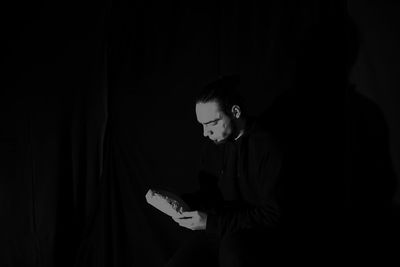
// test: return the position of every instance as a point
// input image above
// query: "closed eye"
(212, 123)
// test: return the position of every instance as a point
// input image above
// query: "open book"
(166, 202)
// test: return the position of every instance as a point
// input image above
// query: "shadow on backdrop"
(370, 178)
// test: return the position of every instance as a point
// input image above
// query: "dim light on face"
(216, 124)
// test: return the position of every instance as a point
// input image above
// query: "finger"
(186, 223)
(189, 213)
(181, 219)
(190, 227)
(180, 223)
(183, 224)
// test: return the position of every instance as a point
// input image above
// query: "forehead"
(208, 111)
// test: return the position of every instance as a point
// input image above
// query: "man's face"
(216, 124)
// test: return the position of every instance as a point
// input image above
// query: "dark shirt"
(239, 182)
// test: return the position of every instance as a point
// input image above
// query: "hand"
(193, 220)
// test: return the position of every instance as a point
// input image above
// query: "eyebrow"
(212, 121)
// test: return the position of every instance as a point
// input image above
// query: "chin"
(219, 142)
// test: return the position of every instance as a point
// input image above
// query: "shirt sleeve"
(264, 211)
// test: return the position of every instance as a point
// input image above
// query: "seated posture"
(236, 211)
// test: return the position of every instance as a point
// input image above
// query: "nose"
(206, 132)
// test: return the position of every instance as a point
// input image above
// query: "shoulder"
(262, 140)
(261, 135)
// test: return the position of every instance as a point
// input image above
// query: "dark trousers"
(244, 248)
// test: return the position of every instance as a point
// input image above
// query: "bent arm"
(264, 209)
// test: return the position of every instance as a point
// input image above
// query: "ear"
(236, 112)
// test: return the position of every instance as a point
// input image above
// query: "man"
(236, 211)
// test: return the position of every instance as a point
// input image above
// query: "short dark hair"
(224, 91)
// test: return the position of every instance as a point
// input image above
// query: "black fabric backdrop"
(104, 110)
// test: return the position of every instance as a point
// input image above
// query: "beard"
(230, 137)
(218, 142)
